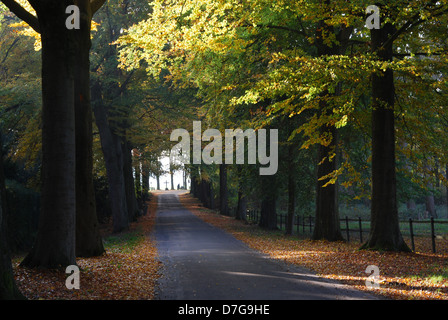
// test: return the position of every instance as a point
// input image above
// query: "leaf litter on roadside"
(420, 275)
(127, 271)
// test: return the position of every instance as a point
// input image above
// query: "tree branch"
(21, 13)
(9, 49)
(414, 21)
(300, 32)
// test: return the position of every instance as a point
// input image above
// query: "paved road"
(204, 262)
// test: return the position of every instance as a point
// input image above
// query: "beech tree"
(312, 59)
(55, 244)
(385, 233)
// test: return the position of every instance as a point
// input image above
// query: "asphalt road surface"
(202, 262)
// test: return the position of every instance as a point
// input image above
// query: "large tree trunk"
(55, 243)
(327, 224)
(113, 158)
(88, 239)
(384, 229)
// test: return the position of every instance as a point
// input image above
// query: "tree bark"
(242, 206)
(291, 190)
(131, 200)
(223, 199)
(137, 179)
(88, 239)
(446, 189)
(384, 230)
(145, 181)
(431, 206)
(268, 213)
(327, 224)
(113, 158)
(8, 287)
(55, 243)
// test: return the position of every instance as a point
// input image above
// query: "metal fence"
(358, 229)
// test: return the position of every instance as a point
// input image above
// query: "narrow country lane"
(202, 262)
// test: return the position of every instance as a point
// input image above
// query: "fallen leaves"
(130, 268)
(127, 271)
(420, 275)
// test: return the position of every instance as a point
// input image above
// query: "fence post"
(433, 236)
(360, 229)
(347, 229)
(411, 230)
(298, 224)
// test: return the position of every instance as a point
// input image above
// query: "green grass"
(124, 242)
(435, 276)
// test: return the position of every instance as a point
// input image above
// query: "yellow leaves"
(22, 28)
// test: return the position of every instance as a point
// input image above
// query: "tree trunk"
(211, 195)
(384, 230)
(430, 205)
(131, 200)
(410, 205)
(88, 239)
(268, 214)
(223, 200)
(145, 181)
(113, 158)
(242, 199)
(194, 181)
(241, 207)
(327, 224)
(8, 287)
(446, 189)
(137, 180)
(291, 190)
(55, 242)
